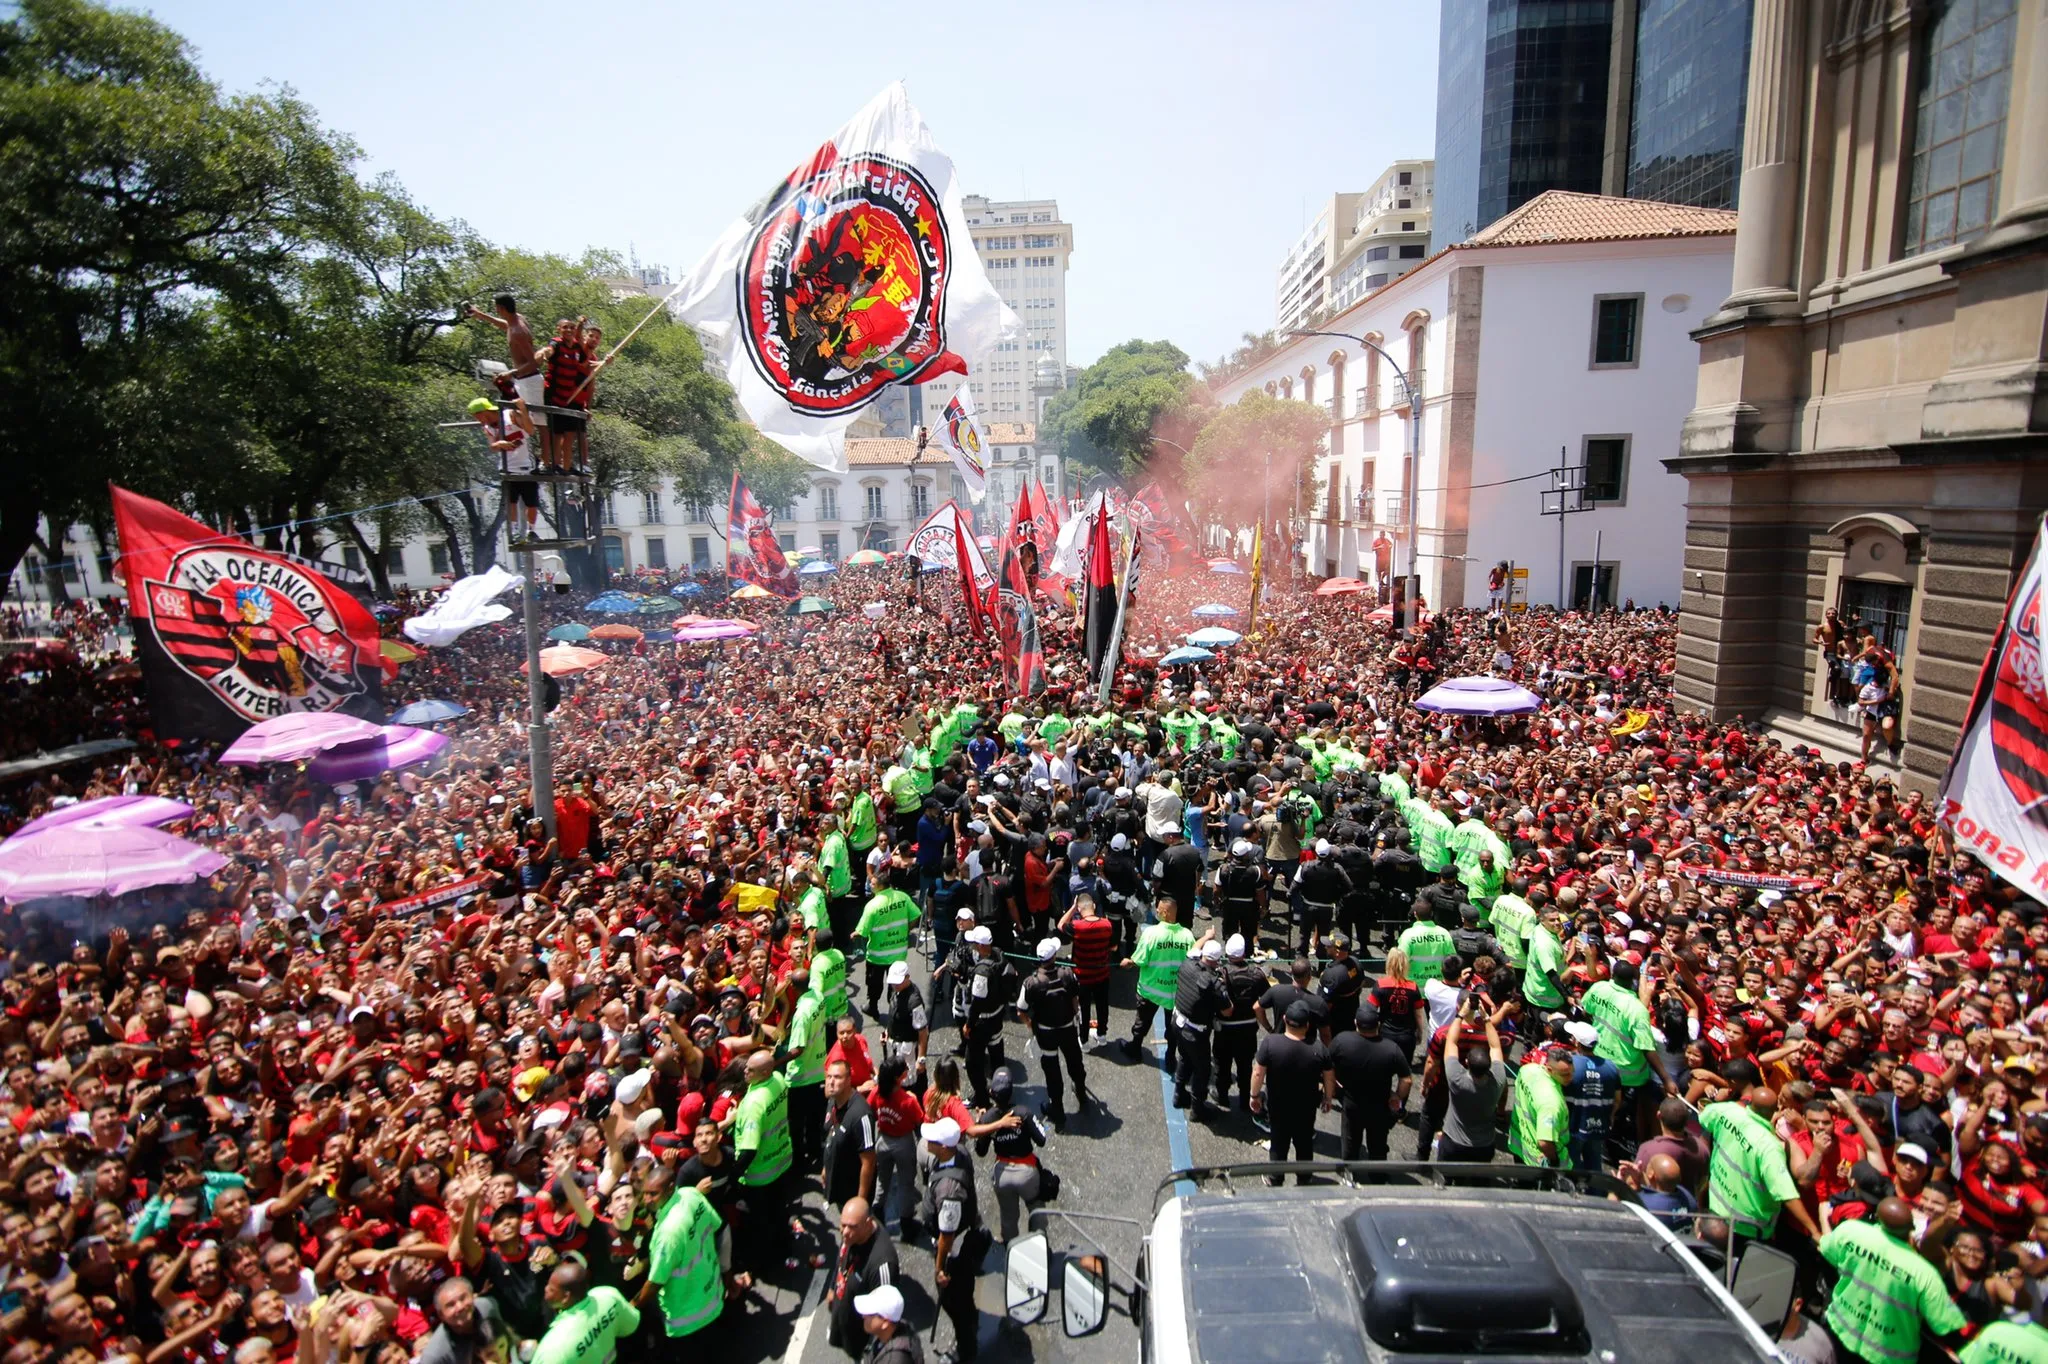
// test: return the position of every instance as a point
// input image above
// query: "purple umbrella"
(393, 746)
(1479, 696)
(714, 630)
(300, 734)
(112, 811)
(86, 860)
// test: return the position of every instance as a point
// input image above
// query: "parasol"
(110, 812)
(89, 859)
(301, 734)
(1479, 696)
(395, 746)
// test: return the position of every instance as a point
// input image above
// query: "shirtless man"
(525, 374)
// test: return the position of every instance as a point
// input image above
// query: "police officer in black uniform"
(1473, 941)
(1125, 905)
(1355, 910)
(1321, 886)
(1343, 979)
(952, 976)
(1397, 874)
(1241, 892)
(991, 986)
(1237, 1032)
(1199, 1000)
(1444, 897)
(953, 1212)
(904, 1020)
(1050, 1007)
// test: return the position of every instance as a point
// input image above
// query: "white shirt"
(1162, 810)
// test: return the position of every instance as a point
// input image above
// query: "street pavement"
(1111, 1160)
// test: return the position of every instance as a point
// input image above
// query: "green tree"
(137, 198)
(1259, 452)
(1108, 420)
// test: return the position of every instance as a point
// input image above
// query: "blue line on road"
(1177, 1149)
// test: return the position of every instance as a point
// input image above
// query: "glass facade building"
(1685, 118)
(1521, 106)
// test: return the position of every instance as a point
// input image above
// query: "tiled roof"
(1012, 433)
(1562, 216)
(880, 452)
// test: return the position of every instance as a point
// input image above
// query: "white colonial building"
(1561, 335)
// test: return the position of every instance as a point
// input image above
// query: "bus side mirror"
(1084, 1296)
(1028, 1280)
(1764, 1282)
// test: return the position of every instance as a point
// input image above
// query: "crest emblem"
(2019, 709)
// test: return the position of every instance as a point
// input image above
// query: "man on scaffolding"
(509, 435)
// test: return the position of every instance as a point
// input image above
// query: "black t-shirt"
(516, 1289)
(1180, 873)
(1294, 1073)
(848, 1135)
(1276, 1000)
(1367, 1067)
(724, 1192)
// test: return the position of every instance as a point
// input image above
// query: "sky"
(1188, 144)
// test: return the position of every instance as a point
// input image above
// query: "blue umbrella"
(1216, 610)
(1214, 636)
(429, 712)
(613, 603)
(572, 633)
(687, 589)
(1225, 566)
(1180, 656)
(816, 567)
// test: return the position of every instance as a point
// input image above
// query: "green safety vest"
(941, 741)
(828, 982)
(1540, 1115)
(811, 908)
(902, 788)
(861, 827)
(1054, 726)
(808, 1041)
(2008, 1342)
(1546, 953)
(1433, 828)
(1747, 1180)
(1160, 951)
(1624, 1026)
(682, 1257)
(1226, 736)
(1511, 917)
(1395, 788)
(1183, 730)
(1426, 945)
(762, 1126)
(589, 1331)
(1481, 885)
(1885, 1291)
(838, 864)
(885, 924)
(1010, 726)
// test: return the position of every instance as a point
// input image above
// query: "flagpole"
(571, 402)
(1116, 633)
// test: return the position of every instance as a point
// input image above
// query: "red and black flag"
(1100, 603)
(751, 552)
(1015, 607)
(228, 634)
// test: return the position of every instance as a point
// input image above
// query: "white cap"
(885, 1302)
(1585, 1034)
(1002, 780)
(1912, 1150)
(1234, 949)
(551, 1117)
(1122, 792)
(944, 1132)
(1242, 848)
(964, 912)
(1322, 847)
(899, 971)
(1119, 842)
(361, 1011)
(633, 1086)
(979, 936)
(1212, 950)
(1048, 948)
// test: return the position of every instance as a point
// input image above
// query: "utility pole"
(1566, 496)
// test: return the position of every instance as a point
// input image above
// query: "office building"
(1642, 98)
(1389, 234)
(1024, 247)
(1870, 430)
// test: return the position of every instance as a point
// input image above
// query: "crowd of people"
(413, 1079)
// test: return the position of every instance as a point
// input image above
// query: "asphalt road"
(1111, 1160)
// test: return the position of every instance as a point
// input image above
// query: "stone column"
(1766, 237)
(2026, 134)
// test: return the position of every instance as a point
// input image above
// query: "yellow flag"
(1251, 617)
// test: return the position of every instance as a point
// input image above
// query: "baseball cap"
(1912, 1150)
(1119, 842)
(979, 936)
(964, 912)
(1322, 847)
(1234, 949)
(1048, 948)
(944, 1132)
(1212, 950)
(885, 1302)
(477, 405)
(1585, 1034)
(1368, 1015)
(633, 1086)
(1299, 1013)
(1242, 848)
(899, 971)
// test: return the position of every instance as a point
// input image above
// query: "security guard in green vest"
(1427, 945)
(1157, 954)
(1885, 1290)
(805, 1045)
(2008, 1342)
(863, 827)
(761, 1143)
(684, 1260)
(885, 926)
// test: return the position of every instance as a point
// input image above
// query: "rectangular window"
(394, 558)
(1407, 226)
(829, 542)
(700, 552)
(650, 507)
(1617, 321)
(614, 554)
(1375, 253)
(657, 551)
(1959, 121)
(1406, 178)
(1413, 251)
(607, 510)
(1606, 461)
(1375, 281)
(920, 499)
(1593, 584)
(437, 557)
(1879, 607)
(874, 503)
(1365, 490)
(828, 503)
(351, 559)
(1401, 203)
(787, 541)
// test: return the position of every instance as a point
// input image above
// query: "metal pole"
(1596, 569)
(536, 704)
(1561, 481)
(1412, 479)
(1266, 506)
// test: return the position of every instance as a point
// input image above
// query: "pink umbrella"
(395, 746)
(112, 811)
(713, 630)
(85, 860)
(301, 734)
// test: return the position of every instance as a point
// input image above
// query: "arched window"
(1369, 396)
(1416, 324)
(1308, 383)
(1336, 392)
(1287, 387)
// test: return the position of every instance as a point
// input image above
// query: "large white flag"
(1995, 796)
(857, 271)
(960, 432)
(464, 606)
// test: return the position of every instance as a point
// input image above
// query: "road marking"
(1177, 1149)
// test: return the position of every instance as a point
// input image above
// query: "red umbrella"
(564, 659)
(1339, 587)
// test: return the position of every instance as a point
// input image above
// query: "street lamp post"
(1412, 474)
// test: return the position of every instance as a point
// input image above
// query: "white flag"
(857, 271)
(464, 606)
(960, 432)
